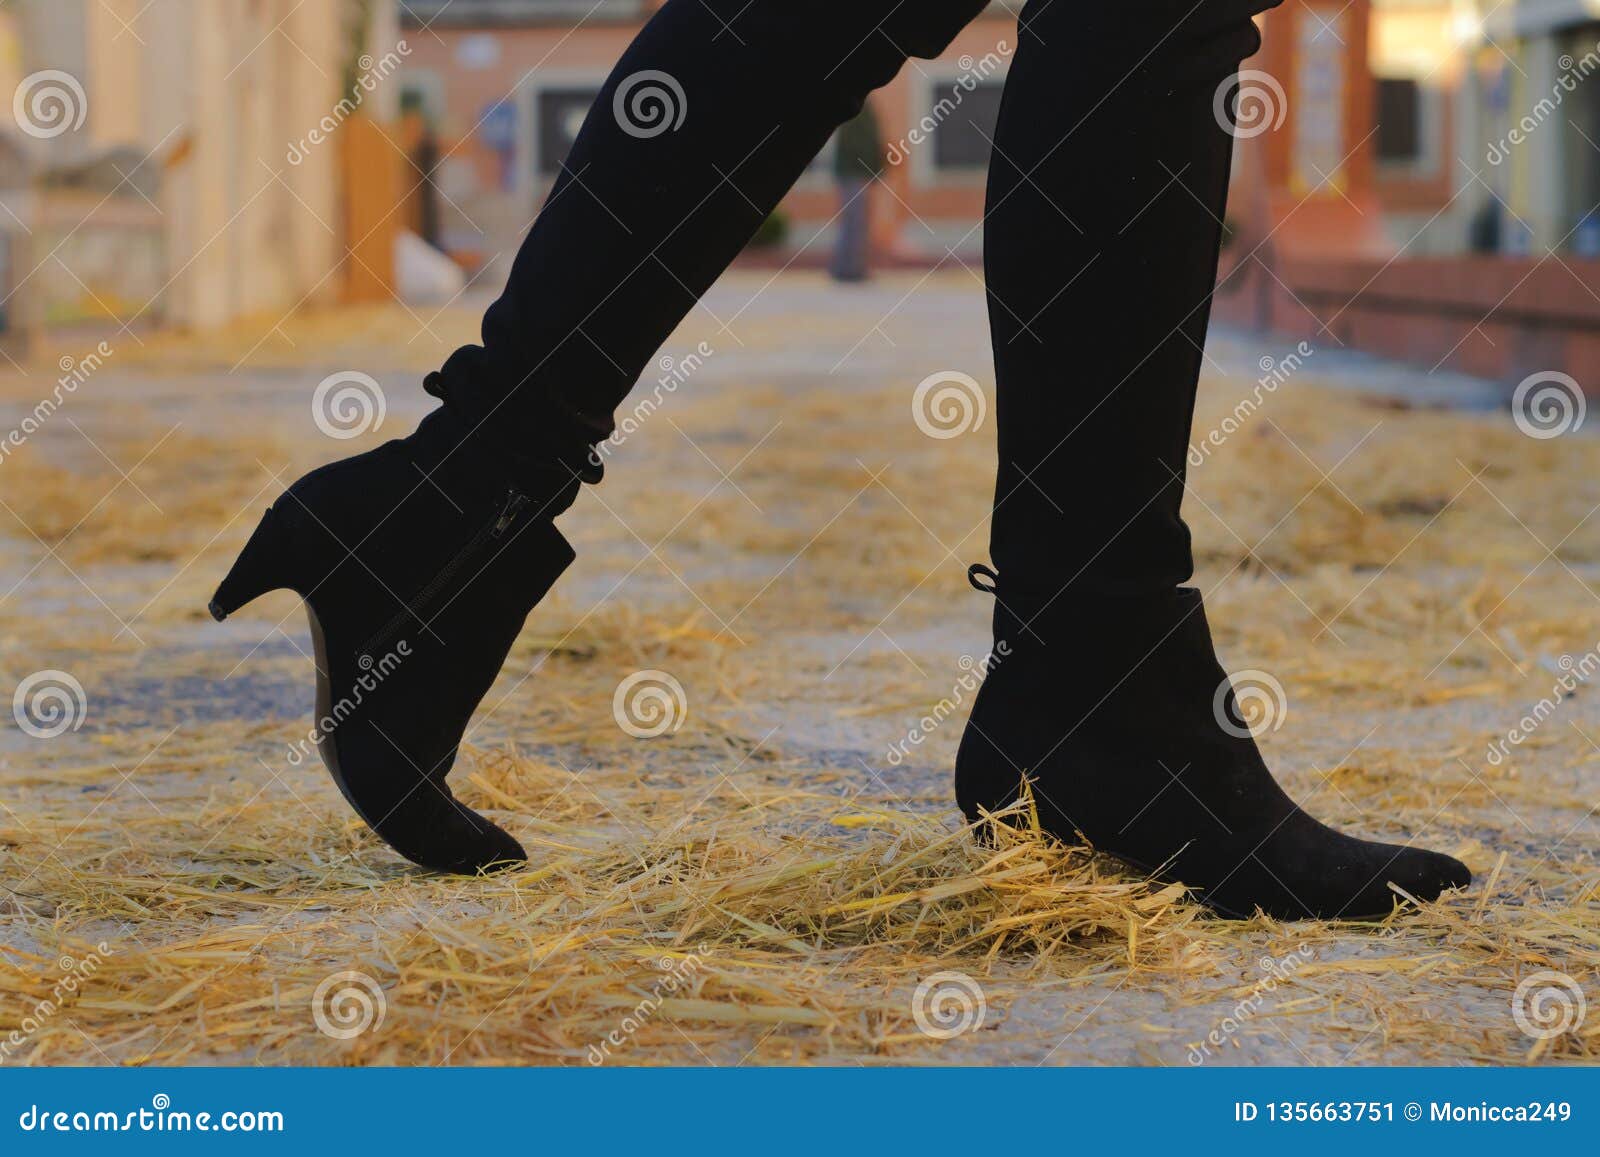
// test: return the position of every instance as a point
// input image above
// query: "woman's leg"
(707, 121)
(420, 560)
(1106, 198)
(1107, 192)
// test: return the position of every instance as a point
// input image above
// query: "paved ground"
(782, 536)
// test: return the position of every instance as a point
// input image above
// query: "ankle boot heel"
(264, 565)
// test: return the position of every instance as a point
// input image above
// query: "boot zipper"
(513, 505)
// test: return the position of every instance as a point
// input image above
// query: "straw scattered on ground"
(762, 886)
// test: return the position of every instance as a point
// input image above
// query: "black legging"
(1104, 218)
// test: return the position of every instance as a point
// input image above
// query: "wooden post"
(370, 176)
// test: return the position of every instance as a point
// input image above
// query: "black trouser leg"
(1106, 197)
(650, 209)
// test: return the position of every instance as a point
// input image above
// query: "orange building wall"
(531, 55)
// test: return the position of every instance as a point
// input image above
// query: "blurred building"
(1487, 128)
(148, 166)
(1538, 99)
(1371, 208)
(1428, 186)
(1418, 61)
(1424, 183)
(505, 84)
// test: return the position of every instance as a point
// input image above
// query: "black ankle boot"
(1130, 735)
(418, 563)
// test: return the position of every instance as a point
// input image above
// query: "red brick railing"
(1497, 317)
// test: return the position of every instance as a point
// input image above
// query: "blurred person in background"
(858, 161)
(421, 144)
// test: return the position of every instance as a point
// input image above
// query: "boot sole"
(1228, 913)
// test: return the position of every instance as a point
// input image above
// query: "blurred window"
(1399, 138)
(559, 113)
(963, 121)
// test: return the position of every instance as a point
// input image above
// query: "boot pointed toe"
(470, 845)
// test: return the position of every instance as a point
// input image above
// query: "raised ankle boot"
(418, 563)
(1128, 731)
